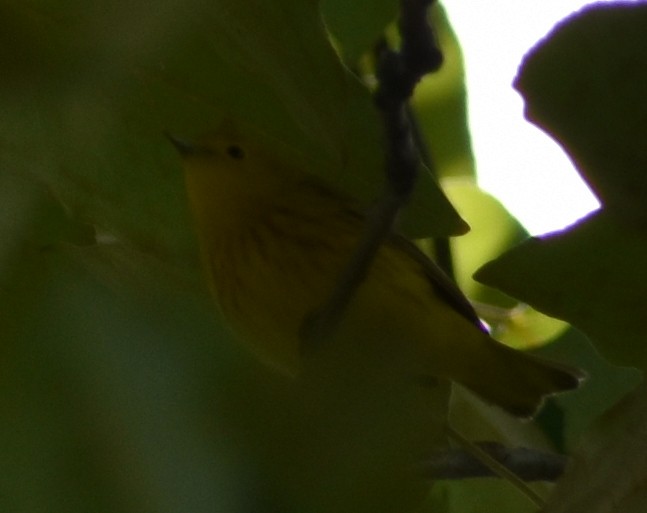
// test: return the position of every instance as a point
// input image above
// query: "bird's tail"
(516, 381)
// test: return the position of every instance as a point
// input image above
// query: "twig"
(529, 464)
(496, 466)
(398, 73)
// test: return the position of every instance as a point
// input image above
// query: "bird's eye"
(235, 152)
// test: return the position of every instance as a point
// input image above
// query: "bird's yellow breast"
(270, 274)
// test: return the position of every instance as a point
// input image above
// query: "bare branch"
(398, 73)
(528, 464)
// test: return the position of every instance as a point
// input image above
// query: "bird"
(274, 240)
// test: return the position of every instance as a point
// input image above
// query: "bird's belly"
(266, 298)
(267, 294)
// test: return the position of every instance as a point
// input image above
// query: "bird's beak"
(183, 146)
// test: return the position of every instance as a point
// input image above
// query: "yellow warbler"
(274, 241)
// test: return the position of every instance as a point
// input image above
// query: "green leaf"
(605, 385)
(121, 390)
(100, 386)
(585, 85)
(85, 111)
(608, 470)
(592, 275)
(493, 231)
(357, 25)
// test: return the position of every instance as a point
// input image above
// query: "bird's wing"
(440, 282)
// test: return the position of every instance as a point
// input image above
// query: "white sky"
(518, 163)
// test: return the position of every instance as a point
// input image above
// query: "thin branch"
(496, 466)
(398, 73)
(529, 464)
